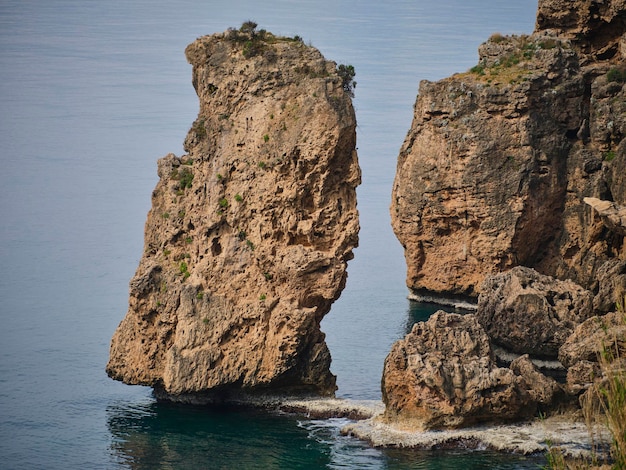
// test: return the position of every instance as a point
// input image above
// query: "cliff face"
(494, 169)
(249, 234)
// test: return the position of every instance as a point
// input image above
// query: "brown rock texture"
(589, 338)
(529, 313)
(494, 169)
(443, 375)
(250, 232)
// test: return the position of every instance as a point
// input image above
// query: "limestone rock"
(250, 232)
(589, 338)
(543, 390)
(443, 375)
(495, 166)
(529, 313)
(611, 286)
(597, 26)
(581, 376)
(612, 216)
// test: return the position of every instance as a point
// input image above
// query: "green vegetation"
(250, 244)
(609, 156)
(200, 295)
(513, 67)
(478, 69)
(262, 165)
(604, 403)
(219, 177)
(184, 270)
(188, 240)
(223, 203)
(347, 73)
(184, 176)
(165, 215)
(199, 128)
(267, 276)
(238, 198)
(262, 297)
(266, 138)
(167, 252)
(617, 74)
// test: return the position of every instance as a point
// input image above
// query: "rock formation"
(529, 313)
(250, 232)
(494, 169)
(443, 374)
(511, 187)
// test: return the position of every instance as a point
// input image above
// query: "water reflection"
(156, 435)
(151, 435)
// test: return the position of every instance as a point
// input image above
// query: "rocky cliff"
(498, 160)
(510, 188)
(250, 232)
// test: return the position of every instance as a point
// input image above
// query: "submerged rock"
(250, 232)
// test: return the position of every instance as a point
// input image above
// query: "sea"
(92, 93)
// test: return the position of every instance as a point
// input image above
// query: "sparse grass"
(223, 203)
(266, 138)
(262, 297)
(199, 128)
(604, 403)
(609, 156)
(238, 198)
(617, 74)
(184, 269)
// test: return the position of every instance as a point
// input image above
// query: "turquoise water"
(92, 94)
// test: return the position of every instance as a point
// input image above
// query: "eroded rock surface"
(494, 169)
(250, 232)
(529, 313)
(443, 375)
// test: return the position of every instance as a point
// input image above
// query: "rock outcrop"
(250, 232)
(494, 169)
(529, 313)
(443, 374)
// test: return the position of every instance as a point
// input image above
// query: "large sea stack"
(250, 232)
(498, 160)
(511, 188)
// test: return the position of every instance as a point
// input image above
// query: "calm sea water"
(92, 94)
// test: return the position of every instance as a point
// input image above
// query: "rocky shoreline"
(568, 431)
(531, 437)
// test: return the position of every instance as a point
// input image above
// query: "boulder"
(611, 286)
(592, 336)
(529, 313)
(545, 391)
(443, 375)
